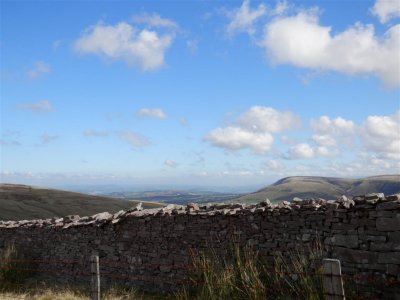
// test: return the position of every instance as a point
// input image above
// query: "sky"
(199, 93)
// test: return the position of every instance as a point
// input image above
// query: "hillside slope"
(18, 202)
(323, 187)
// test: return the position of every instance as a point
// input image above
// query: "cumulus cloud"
(386, 10)
(328, 130)
(39, 69)
(274, 164)
(154, 20)
(94, 133)
(300, 151)
(151, 113)
(134, 139)
(301, 41)
(280, 8)
(142, 48)
(39, 106)
(253, 130)
(236, 138)
(338, 125)
(325, 140)
(267, 119)
(243, 18)
(381, 135)
(170, 163)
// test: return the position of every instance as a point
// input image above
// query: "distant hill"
(20, 202)
(323, 187)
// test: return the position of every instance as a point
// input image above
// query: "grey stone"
(357, 256)
(375, 196)
(297, 200)
(389, 258)
(388, 224)
(331, 204)
(388, 205)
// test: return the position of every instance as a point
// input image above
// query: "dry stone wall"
(151, 249)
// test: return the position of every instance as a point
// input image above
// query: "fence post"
(95, 283)
(332, 279)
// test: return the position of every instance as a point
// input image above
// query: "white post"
(332, 279)
(95, 272)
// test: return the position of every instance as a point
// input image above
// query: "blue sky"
(208, 93)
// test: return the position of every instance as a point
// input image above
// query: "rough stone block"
(348, 241)
(389, 258)
(388, 205)
(388, 224)
(357, 256)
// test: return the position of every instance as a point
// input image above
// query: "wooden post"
(332, 279)
(95, 284)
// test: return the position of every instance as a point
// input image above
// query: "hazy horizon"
(223, 95)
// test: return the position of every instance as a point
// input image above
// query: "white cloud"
(267, 119)
(381, 134)
(280, 8)
(386, 10)
(236, 138)
(301, 41)
(142, 48)
(154, 20)
(39, 68)
(324, 140)
(151, 113)
(94, 133)
(274, 164)
(39, 106)
(326, 151)
(253, 129)
(329, 130)
(300, 151)
(134, 139)
(243, 18)
(170, 163)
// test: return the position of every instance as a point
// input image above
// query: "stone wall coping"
(373, 200)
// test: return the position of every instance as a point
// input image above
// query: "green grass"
(242, 274)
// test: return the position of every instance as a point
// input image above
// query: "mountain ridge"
(323, 187)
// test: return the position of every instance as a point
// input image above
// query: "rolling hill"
(323, 187)
(18, 202)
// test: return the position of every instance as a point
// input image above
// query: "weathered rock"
(395, 197)
(331, 204)
(388, 224)
(193, 206)
(103, 217)
(297, 200)
(388, 205)
(266, 203)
